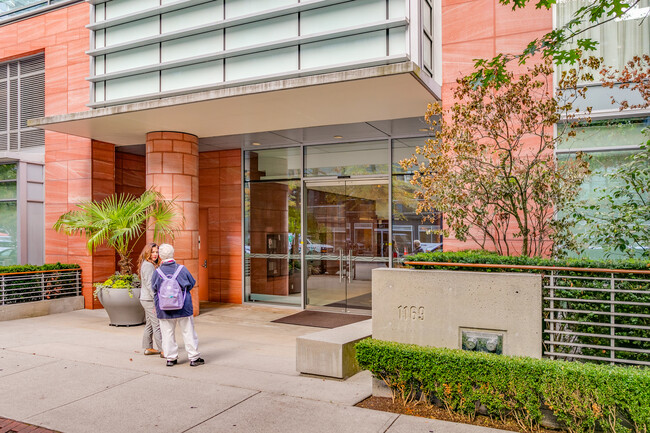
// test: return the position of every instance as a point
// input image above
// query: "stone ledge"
(331, 353)
(41, 308)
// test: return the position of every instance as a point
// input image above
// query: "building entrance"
(345, 225)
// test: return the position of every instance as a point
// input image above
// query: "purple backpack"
(170, 295)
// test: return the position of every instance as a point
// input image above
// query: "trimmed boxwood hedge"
(33, 268)
(486, 257)
(583, 397)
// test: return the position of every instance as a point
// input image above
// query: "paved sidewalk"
(73, 373)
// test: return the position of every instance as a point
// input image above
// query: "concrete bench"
(331, 352)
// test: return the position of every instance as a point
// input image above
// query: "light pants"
(151, 327)
(168, 330)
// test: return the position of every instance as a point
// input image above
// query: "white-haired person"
(183, 316)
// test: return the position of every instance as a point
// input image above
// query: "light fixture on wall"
(255, 143)
(423, 129)
(338, 137)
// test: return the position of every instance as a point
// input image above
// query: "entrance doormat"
(321, 319)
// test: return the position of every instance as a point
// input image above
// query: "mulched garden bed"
(419, 409)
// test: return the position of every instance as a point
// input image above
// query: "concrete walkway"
(73, 373)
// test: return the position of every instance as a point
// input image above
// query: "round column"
(173, 170)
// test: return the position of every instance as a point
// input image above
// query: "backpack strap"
(178, 271)
(162, 274)
(164, 277)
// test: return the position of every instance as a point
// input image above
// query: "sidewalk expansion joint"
(87, 396)
(219, 413)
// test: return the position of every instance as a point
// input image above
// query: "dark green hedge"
(582, 396)
(492, 258)
(32, 268)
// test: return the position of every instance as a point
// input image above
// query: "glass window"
(264, 63)
(348, 159)
(350, 14)
(8, 215)
(235, 8)
(191, 46)
(408, 225)
(134, 58)
(185, 18)
(618, 40)
(273, 164)
(271, 30)
(201, 74)
(133, 30)
(607, 133)
(343, 50)
(405, 148)
(272, 241)
(133, 86)
(118, 8)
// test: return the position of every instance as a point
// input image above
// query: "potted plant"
(118, 222)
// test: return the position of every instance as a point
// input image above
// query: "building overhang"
(371, 94)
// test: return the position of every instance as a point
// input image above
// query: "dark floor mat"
(321, 319)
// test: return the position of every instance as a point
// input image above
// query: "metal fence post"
(2, 289)
(77, 273)
(42, 286)
(551, 335)
(612, 318)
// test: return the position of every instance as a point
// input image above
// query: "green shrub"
(582, 396)
(33, 268)
(486, 257)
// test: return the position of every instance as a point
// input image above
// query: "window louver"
(22, 97)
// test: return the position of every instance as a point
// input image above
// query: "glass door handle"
(349, 265)
(340, 266)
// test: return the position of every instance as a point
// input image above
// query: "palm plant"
(119, 221)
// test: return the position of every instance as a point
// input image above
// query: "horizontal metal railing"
(597, 318)
(589, 314)
(33, 286)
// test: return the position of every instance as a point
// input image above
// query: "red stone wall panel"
(481, 29)
(220, 193)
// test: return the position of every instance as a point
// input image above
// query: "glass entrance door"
(346, 224)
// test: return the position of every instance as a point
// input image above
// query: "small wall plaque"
(482, 341)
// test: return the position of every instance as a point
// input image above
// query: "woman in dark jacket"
(184, 316)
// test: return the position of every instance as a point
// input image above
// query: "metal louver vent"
(22, 97)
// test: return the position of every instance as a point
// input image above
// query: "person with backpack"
(171, 285)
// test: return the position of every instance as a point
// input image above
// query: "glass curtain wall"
(408, 225)
(8, 215)
(317, 220)
(608, 143)
(618, 40)
(272, 203)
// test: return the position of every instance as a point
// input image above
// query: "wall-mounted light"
(255, 143)
(338, 136)
(423, 129)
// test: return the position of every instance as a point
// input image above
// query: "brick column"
(173, 169)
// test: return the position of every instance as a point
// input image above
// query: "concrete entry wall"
(431, 307)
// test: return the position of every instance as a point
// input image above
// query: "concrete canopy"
(369, 94)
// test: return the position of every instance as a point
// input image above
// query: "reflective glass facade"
(318, 219)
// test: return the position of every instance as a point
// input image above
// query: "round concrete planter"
(122, 309)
